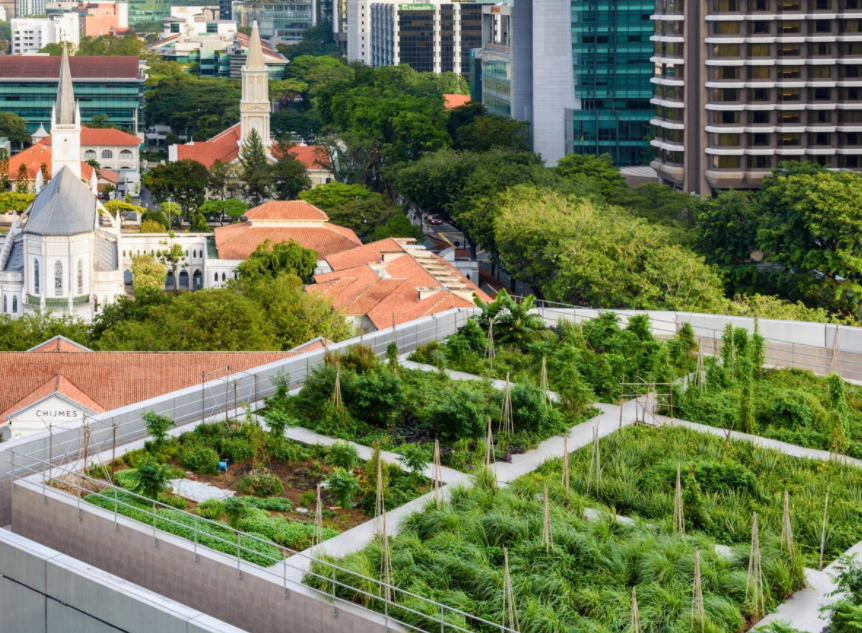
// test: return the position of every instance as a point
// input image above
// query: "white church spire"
(254, 106)
(65, 124)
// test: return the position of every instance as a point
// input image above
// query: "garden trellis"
(510, 613)
(697, 611)
(678, 512)
(754, 583)
(507, 424)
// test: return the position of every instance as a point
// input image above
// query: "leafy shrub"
(157, 425)
(343, 485)
(126, 478)
(237, 449)
(133, 458)
(795, 410)
(290, 533)
(211, 509)
(261, 483)
(273, 504)
(150, 478)
(460, 411)
(283, 450)
(200, 459)
(308, 499)
(414, 458)
(374, 396)
(343, 455)
(277, 421)
(174, 501)
(530, 414)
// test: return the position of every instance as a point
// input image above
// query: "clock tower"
(254, 106)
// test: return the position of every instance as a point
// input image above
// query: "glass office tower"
(611, 51)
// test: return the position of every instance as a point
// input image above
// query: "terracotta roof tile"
(369, 253)
(312, 156)
(59, 343)
(224, 146)
(56, 385)
(99, 136)
(286, 210)
(33, 158)
(455, 101)
(116, 379)
(47, 67)
(239, 243)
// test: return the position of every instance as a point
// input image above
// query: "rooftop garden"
(796, 406)
(582, 362)
(275, 482)
(570, 571)
(355, 396)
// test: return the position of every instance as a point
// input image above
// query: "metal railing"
(779, 352)
(389, 599)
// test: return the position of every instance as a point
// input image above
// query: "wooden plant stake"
(543, 383)
(678, 517)
(317, 536)
(595, 463)
(636, 618)
(566, 464)
(385, 562)
(507, 422)
(823, 531)
(490, 458)
(489, 349)
(380, 501)
(754, 582)
(547, 534)
(786, 528)
(437, 475)
(697, 610)
(510, 613)
(700, 376)
(336, 396)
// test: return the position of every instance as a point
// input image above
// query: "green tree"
(318, 72)
(289, 174)
(100, 121)
(294, 315)
(256, 173)
(600, 169)
(397, 226)
(334, 194)
(14, 201)
(199, 223)
(232, 207)
(343, 455)
(28, 330)
(489, 131)
(272, 259)
(4, 170)
(150, 477)
(306, 123)
(183, 181)
(811, 227)
(316, 42)
(14, 128)
(22, 182)
(147, 272)
(205, 106)
(656, 203)
(223, 179)
(157, 426)
(343, 486)
(414, 458)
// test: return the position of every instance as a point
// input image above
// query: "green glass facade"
(611, 51)
(33, 100)
(141, 11)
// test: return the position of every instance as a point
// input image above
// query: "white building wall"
(29, 35)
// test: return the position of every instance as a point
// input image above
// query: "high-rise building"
(429, 37)
(611, 51)
(27, 8)
(141, 11)
(284, 21)
(741, 85)
(29, 35)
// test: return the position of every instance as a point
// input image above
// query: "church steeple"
(254, 106)
(65, 124)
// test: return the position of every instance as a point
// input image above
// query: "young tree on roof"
(256, 174)
(22, 183)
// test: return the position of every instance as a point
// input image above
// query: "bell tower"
(254, 106)
(65, 124)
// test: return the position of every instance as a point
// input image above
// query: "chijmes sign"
(415, 7)
(67, 414)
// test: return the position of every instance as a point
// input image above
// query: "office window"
(758, 27)
(851, 26)
(850, 49)
(725, 94)
(821, 26)
(759, 117)
(725, 140)
(850, 161)
(850, 116)
(789, 72)
(758, 94)
(819, 94)
(790, 94)
(758, 50)
(759, 72)
(725, 72)
(725, 50)
(725, 28)
(819, 138)
(725, 162)
(725, 117)
(788, 49)
(789, 139)
(819, 72)
(851, 139)
(789, 27)
(759, 139)
(819, 117)
(789, 117)
(725, 6)
(760, 162)
(758, 5)
(819, 49)
(851, 94)
(674, 136)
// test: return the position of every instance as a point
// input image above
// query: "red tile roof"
(286, 210)
(314, 157)
(238, 241)
(48, 67)
(362, 284)
(223, 147)
(59, 343)
(33, 157)
(108, 380)
(456, 101)
(99, 136)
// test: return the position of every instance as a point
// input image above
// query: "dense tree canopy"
(14, 128)
(204, 106)
(183, 181)
(270, 260)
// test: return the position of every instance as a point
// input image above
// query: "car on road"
(433, 219)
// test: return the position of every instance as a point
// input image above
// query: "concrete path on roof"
(802, 609)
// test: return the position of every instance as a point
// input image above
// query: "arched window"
(215, 277)
(80, 276)
(4, 304)
(90, 154)
(126, 154)
(58, 278)
(14, 305)
(36, 276)
(106, 153)
(223, 277)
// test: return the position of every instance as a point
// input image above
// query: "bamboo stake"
(317, 536)
(489, 352)
(543, 383)
(380, 501)
(386, 562)
(786, 528)
(833, 362)
(701, 374)
(336, 396)
(437, 475)
(697, 610)
(510, 614)
(507, 423)
(547, 534)
(595, 463)
(566, 464)
(678, 514)
(490, 458)
(636, 619)
(823, 531)
(754, 582)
